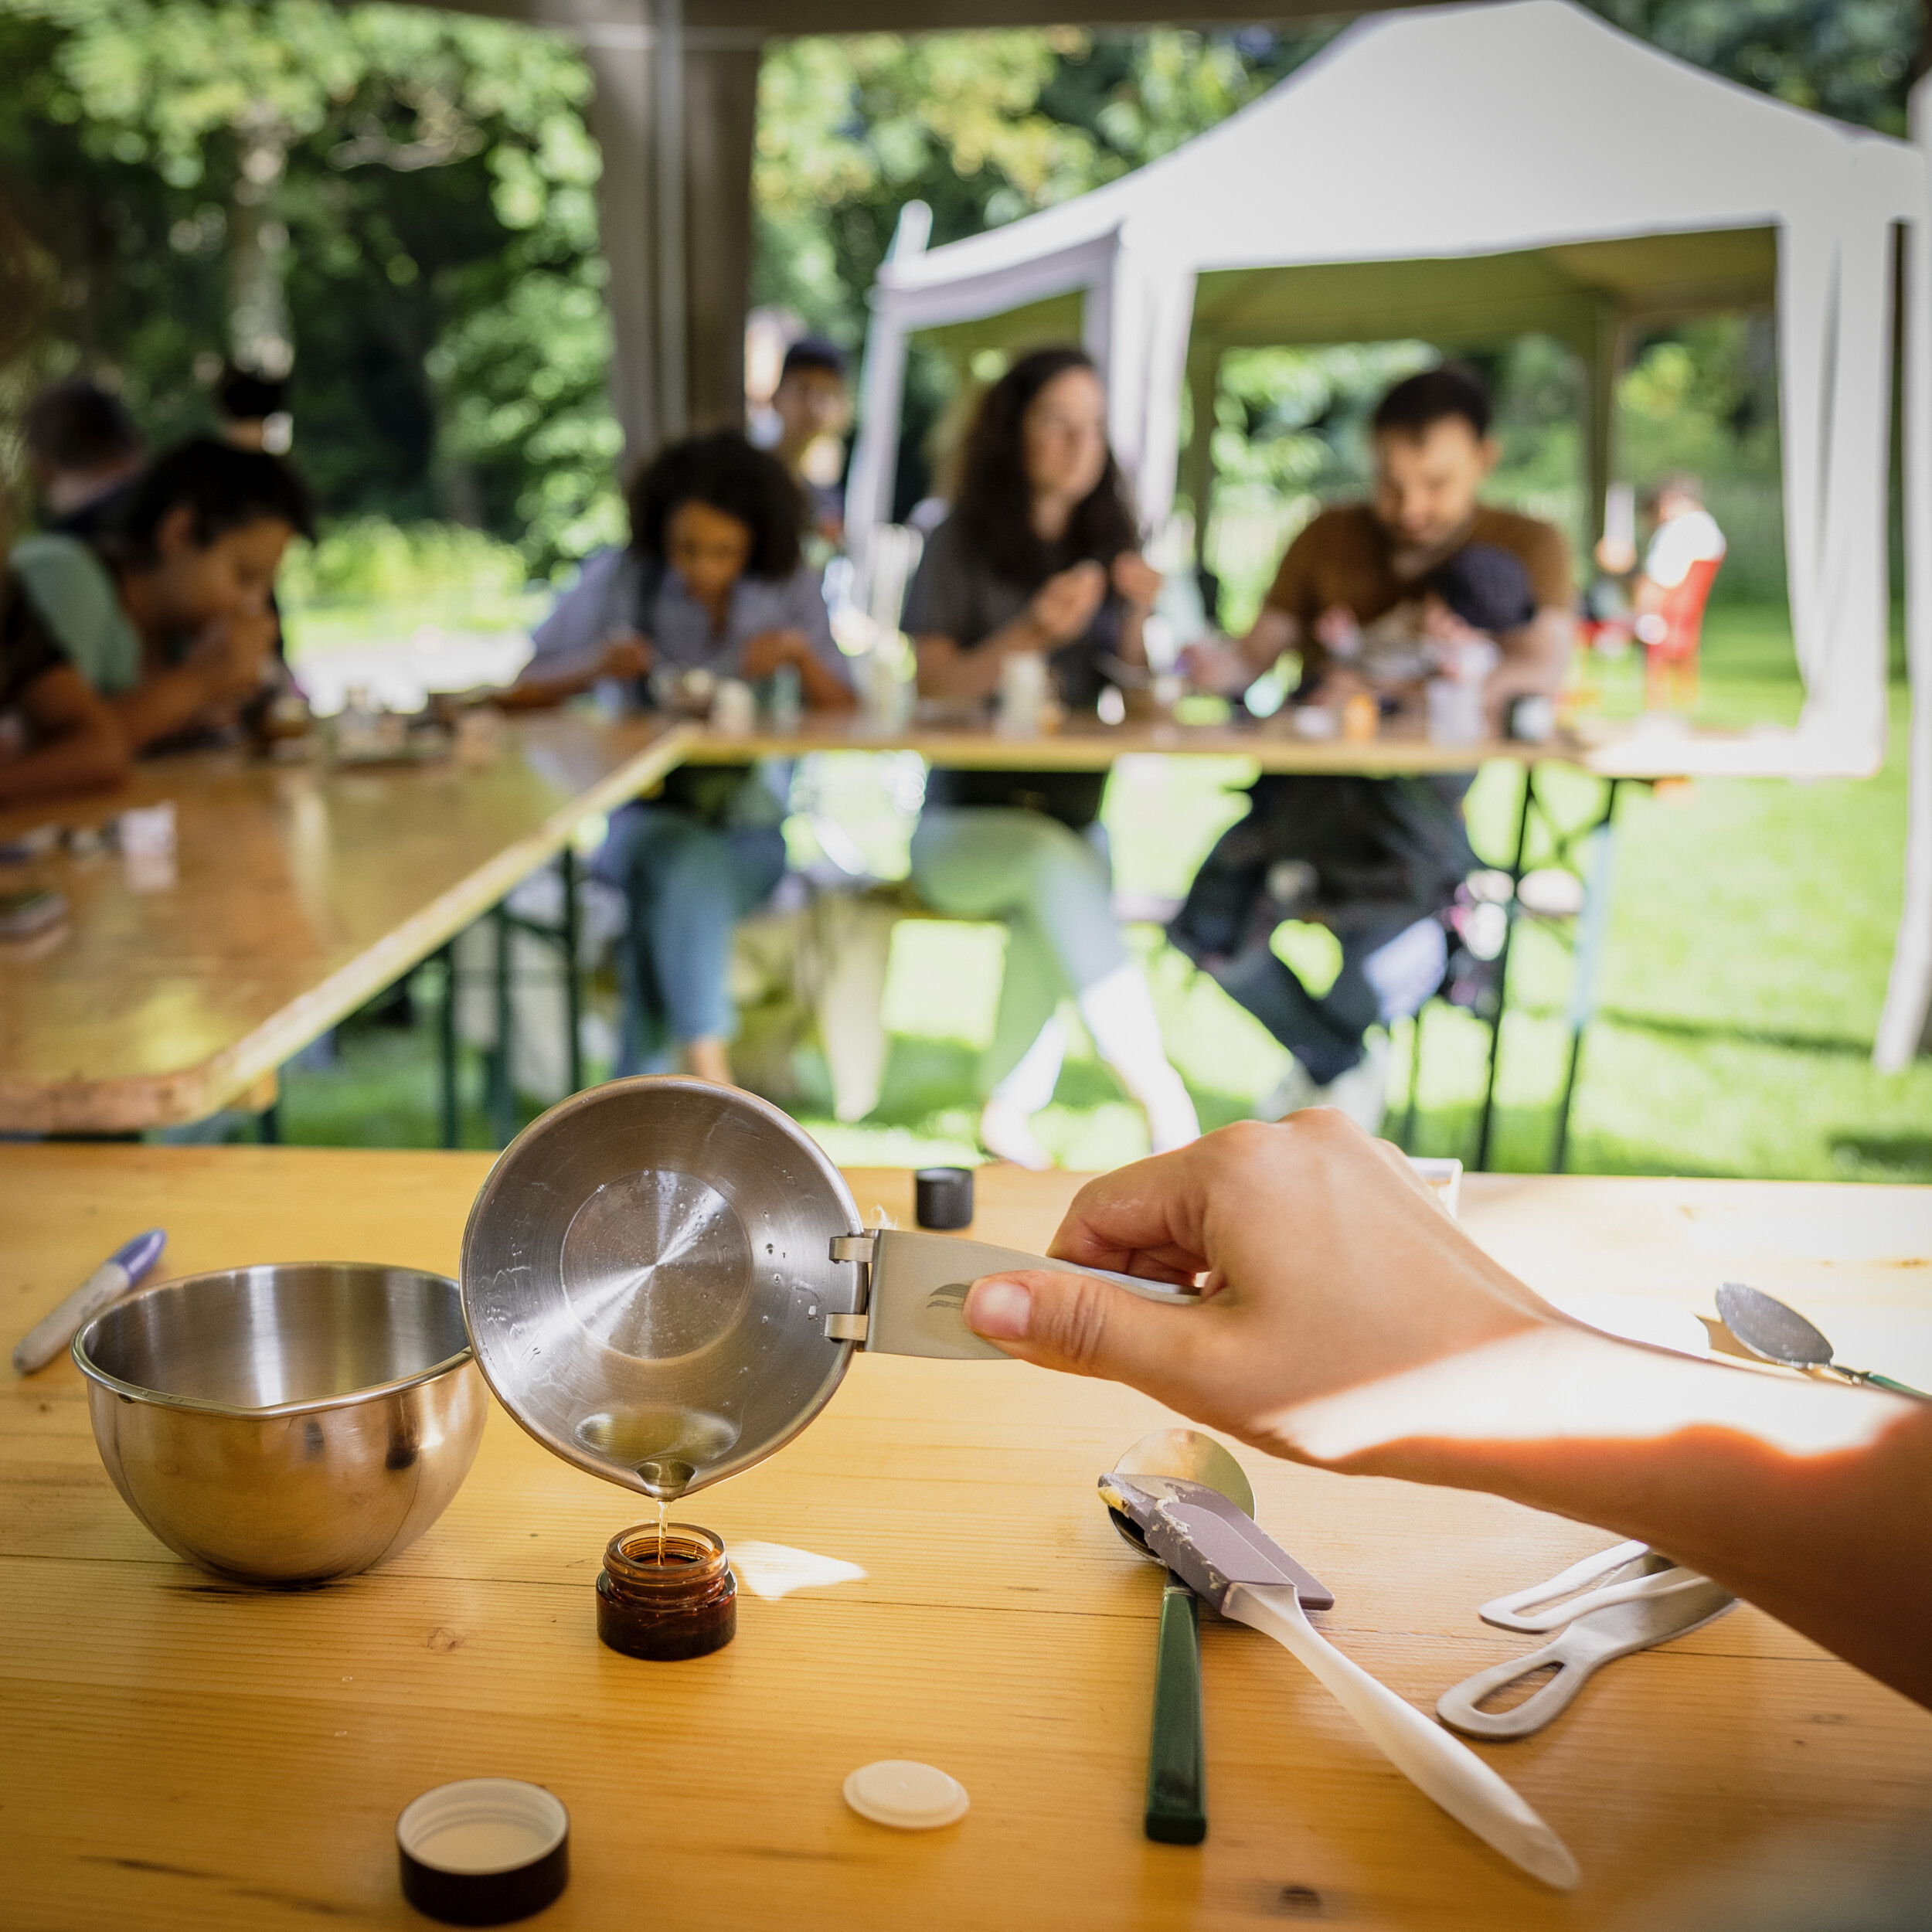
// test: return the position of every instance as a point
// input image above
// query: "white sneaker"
(1361, 1093)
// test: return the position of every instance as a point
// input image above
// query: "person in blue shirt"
(712, 581)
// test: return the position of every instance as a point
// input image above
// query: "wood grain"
(179, 1754)
(300, 892)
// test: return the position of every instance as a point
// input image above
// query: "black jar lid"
(943, 1197)
(483, 1851)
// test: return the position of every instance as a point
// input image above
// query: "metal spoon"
(1176, 1769)
(1775, 1333)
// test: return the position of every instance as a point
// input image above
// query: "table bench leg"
(502, 1089)
(450, 1121)
(1593, 934)
(1485, 1129)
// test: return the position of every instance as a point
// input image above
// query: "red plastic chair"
(1670, 635)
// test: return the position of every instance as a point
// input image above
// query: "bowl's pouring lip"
(602, 1094)
(200, 1405)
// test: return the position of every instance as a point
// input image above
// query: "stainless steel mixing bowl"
(285, 1424)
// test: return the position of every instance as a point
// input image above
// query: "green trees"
(406, 197)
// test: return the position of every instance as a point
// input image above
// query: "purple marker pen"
(109, 1282)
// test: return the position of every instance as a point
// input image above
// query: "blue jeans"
(689, 885)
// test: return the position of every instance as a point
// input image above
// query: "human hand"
(1339, 632)
(1616, 556)
(1136, 580)
(626, 657)
(232, 654)
(1064, 605)
(1215, 664)
(1329, 1265)
(768, 650)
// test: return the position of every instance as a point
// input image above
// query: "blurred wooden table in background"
(297, 891)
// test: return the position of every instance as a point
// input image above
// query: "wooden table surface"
(1650, 748)
(177, 1754)
(299, 892)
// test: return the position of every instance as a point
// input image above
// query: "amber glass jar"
(667, 1595)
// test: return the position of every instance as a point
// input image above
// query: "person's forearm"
(822, 689)
(1727, 1471)
(1132, 645)
(546, 688)
(165, 704)
(1272, 632)
(87, 759)
(946, 670)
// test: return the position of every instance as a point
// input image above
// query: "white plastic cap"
(908, 1796)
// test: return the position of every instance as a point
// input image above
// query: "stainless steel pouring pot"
(664, 1281)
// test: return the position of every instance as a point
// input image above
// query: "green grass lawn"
(1751, 934)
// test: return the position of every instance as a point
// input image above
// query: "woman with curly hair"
(1040, 557)
(712, 580)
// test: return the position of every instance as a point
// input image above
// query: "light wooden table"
(1082, 743)
(299, 892)
(1645, 749)
(177, 1754)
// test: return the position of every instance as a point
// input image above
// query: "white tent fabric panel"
(1463, 133)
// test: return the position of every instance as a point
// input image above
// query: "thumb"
(1079, 1324)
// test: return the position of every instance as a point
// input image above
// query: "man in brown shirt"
(1376, 860)
(1433, 452)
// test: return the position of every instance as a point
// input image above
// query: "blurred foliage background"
(403, 201)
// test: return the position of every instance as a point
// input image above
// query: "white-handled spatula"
(1225, 1558)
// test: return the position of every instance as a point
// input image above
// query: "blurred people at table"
(254, 409)
(56, 734)
(1376, 860)
(84, 451)
(1038, 561)
(713, 583)
(165, 612)
(810, 407)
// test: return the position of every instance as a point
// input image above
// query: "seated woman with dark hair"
(712, 580)
(1040, 558)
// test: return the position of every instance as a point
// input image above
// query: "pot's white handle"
(1434, 1762)
(918, 1284)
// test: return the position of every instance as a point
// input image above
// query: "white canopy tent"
(1472, 173)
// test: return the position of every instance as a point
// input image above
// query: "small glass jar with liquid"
(666, 1592)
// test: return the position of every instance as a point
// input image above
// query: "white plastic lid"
(908, 1796)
